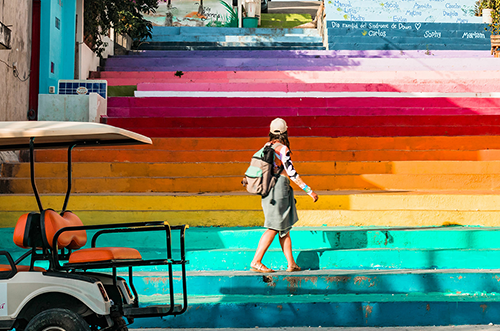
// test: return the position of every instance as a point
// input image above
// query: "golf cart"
(77, 288)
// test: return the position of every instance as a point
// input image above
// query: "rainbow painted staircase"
(402, 147)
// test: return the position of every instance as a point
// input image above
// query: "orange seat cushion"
(6, 267)
(99, 254)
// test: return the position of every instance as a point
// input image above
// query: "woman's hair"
(281, 137)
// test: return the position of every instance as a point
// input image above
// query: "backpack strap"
(282, 167)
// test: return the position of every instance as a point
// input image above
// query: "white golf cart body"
(31, 297)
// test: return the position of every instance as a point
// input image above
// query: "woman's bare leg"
(264, 243)
(286, 246)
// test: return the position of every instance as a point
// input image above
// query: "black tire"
(57, 319)
(119, 324)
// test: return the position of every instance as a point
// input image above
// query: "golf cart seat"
(33, 230)
(52, 222)
(20, 268)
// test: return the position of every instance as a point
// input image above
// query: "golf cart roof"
(52, 134)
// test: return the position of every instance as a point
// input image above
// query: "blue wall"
(57, 42)
(405, 24)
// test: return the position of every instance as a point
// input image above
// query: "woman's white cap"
(278, 125)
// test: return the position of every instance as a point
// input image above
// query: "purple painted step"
(316, 64)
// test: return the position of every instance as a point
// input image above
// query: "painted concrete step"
(450, 87)
(431, 148)
(304, 239)
(330, 126)
(332, 132)
(175, 169)
(359, 258)
(223, 31)
(486, 154)
(243, 40)
(307, 76)
(212, 184)
(342, 101)
(313, 53)
(259, 110)
(317, 64)
(467, 283)
(341, 311)
(232, 46)
(358, 208)
(306, 121)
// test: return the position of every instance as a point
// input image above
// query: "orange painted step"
(472, 148)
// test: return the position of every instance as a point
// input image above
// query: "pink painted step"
(449, 87)
(196, 107)
(291, 111)
(343, 102)
(306, 76)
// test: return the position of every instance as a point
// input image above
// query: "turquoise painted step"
(165, 30)
(406, 36)
(458, 283)
(360, 259)
(250, 311)
(310, 238)
(166, 47)
(266, 39)
(322, 248)
(394, 45)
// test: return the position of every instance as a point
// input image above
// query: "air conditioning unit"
(5, 34)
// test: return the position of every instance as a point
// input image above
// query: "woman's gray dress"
(279, 207)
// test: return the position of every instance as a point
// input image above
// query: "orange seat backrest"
(52, 222)
(27, 231)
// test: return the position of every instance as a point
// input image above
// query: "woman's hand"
(314, 196)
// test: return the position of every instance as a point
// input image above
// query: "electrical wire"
(16, 72)
(7, 64)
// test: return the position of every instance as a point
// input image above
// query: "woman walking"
(279, 205)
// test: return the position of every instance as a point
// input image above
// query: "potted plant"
(494, 26)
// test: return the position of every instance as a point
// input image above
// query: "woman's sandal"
(293, 268)
(260, 268)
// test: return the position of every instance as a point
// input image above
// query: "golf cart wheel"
(119, 324)
(58, 320)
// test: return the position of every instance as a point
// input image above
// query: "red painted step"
(307, 121)
(394, 131)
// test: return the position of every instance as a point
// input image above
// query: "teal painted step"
(249, 311)
(460, 284)
(165, 30)
(311, 238)
(405, 47)
(322, 248)
(243, 40)
(168, 47)
(407, 36)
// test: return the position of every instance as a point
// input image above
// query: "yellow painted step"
(233, 183)
(341, 209)
(138, 169)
